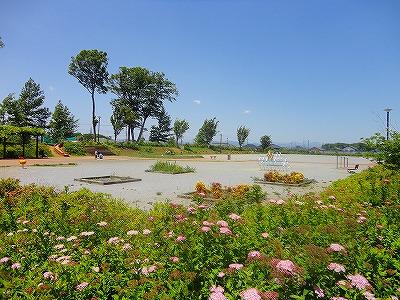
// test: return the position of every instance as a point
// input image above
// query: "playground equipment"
(342, 162)
(60, 151)
(273, 161)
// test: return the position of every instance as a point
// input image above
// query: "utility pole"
(387, 122)
(220, 143)
(98, 130)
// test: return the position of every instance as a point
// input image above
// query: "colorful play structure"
(58, 149)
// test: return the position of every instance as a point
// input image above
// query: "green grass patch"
(56, 165)
(170, 168)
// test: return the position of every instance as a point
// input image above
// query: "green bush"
(74, 148)
(170, 168)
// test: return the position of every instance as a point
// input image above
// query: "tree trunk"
(141, 129)
(4, 147)
(129, 133)
(94, 117)
(177, 141)
(132, 132)
(37, 146)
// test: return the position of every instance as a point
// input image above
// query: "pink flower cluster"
(277, 201)
(102, 224)
(234, 217)
(132, 232)
(254, 255)
(250, 294)
(147, 270)
(16, 266)
(49, 275)
(336, 248)
(338, 268)
(286, 267)
(4, 260)
(114, 240)
(235, 266)
(217, 293)
(87, 233)
(174, 259)
(180, 238)
(359, 281)
(80, 287)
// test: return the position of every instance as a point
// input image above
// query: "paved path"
(164, 187)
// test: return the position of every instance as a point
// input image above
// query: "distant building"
(349, 149)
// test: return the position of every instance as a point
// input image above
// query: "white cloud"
(196, 101)
(246, 112)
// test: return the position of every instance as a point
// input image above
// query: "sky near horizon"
(318, 71)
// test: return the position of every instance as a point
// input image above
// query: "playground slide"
(60, 151)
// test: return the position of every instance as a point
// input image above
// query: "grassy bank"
(344, 242)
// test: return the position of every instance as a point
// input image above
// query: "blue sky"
(296, 70)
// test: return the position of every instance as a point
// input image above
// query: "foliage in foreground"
(170, 168)
(81, 245)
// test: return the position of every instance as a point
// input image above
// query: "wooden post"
(37, 146)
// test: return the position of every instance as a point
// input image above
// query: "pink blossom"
(146, 231)
(127, 246)
(221, 274)
(59, 246)
(151, 218)
(338, 298)
(102, 224)
(96, 269)
(359, 281)
(235, 266)
(254, 255)
(132, 232)
(225, 230)
(277, 201)
(147, 270)
(205, 229)
(206, 223)
(201, 194)
(180, 218)
(332, 197)
(86, 252)
(234, 217)
(319, 292)
(336, 247)
(343, 283)
(217, 293)
(25, 222)
(191, 209)
(87, 233)
(49, 275)
(180, 238)
(80, 287)
(250, 294)
(170, 234)
(369, 296)
(286, 267)
(71, 238)
(16, 266)
(265, 235)
(203, 206)
(114, 240)
(4, 260)
(361, 219)
(60, 238)
(222, 223)
(338, 268)
(174, 259)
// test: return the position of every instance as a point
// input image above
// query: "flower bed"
(83, 245)
(277, 178)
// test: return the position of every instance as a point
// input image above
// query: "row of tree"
(27, 110)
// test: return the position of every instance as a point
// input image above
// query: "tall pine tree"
(162, 131)
(62, 124)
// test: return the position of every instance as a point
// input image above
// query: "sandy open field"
(164, 187)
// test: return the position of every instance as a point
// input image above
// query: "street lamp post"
(387, 122)
(98, 130)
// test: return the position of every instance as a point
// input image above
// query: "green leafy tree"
(89, 67)
(62, 124)
(1, 43)
(162, 131)
(180, 127)
(158, 90)
(27, 110)
(265, 141)
(242, 134)
(127, 115)
(117, 122)
(207, 132)
(385, 151)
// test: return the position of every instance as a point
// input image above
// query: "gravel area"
(165, 187)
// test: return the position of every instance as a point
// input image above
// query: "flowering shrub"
(84, 245)
(275, 176)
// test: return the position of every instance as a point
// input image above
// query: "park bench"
(353, 170)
